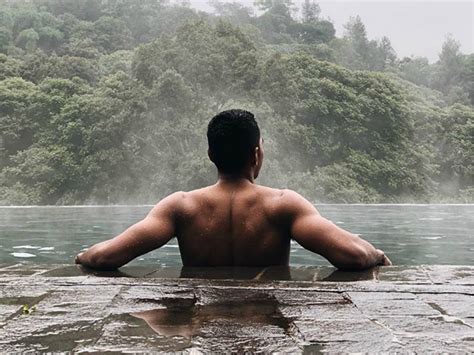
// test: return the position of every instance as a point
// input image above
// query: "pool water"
(409, 234)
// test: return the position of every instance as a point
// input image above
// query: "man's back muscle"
(232, 225)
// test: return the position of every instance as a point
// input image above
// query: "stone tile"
(344, 331)
(247, 345)
(436, 346)
(22, 270)
(322, 312)
(393, 304)
(403, 274)
(452, 304)
(451, 275)
(125, 333)
(437, 327)
(306, 297)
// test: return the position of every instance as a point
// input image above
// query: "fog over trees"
(108, 102)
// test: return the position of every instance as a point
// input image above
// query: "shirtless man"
(235, 222)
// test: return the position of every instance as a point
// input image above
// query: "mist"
(108, 102)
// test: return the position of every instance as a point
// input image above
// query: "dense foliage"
(108, 102)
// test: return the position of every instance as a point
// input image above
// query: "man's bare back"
(235, 222)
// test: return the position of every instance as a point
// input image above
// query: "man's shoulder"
(283, 201)
(179, 199)
(283, 195)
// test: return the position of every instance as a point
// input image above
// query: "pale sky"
(414, 27)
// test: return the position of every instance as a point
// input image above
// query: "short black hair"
(232, 136)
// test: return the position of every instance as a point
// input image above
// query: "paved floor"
(303, 310)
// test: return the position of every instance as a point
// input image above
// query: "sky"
(414, 27)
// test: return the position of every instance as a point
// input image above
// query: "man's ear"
(255, 157)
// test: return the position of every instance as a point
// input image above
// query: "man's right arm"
(344, 250)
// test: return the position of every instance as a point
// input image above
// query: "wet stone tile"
(79, 302)
(23, 270)
(154, 294)
(126, 333)
(322, 312)
(403, 274)
(52, 337)
(427, 345)
(452, 304)
(344, 331)
(7, 312)
(384, 346)
(451, 275)
(428, 326)
(365, 296)
(391, 304)
(14, 294)
(245, 345)
(300, 297)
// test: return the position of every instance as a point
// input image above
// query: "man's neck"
(236, 179)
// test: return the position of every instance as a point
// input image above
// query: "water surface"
(409, 234)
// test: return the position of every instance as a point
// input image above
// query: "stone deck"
(302, 310)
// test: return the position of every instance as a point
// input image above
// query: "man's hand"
(77, 259)
(385, 260)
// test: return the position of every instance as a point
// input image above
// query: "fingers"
(77, 259)
(386, 261)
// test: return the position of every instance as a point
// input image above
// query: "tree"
(28, 40)
(235, 13)
(449, 65)
(310, 11)
(416, 70)
(5, 38)
(111, 34)
(388, 55)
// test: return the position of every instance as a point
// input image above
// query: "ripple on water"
(23, 255)
(26, 247)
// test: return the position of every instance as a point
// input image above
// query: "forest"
(107, 102)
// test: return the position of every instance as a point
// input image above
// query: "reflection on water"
(182, 317)
(409, 234)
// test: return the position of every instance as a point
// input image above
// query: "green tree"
(5, 38)
(28, 40)
(310, 11)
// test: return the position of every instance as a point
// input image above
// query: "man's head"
(234, 142)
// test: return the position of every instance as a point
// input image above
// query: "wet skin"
(236, 223)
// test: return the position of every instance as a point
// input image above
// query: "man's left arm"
(155, 230)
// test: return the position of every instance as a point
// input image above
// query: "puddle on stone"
(237, 273)
(314, 348)
(334, 275)
(186, 319)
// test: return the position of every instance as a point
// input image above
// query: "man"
(235, 222)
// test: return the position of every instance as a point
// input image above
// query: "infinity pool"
(409, 234)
